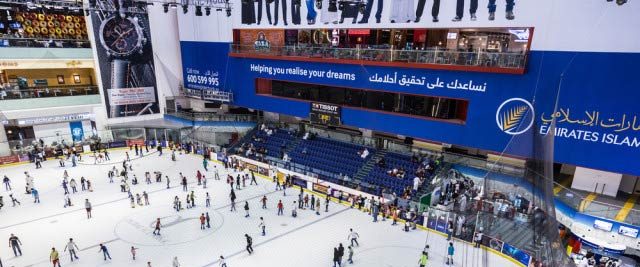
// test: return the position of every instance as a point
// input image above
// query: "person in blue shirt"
(450, 251)
(36, 195)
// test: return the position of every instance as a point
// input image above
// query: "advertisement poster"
(77, 133)
(628, 231)
(602, 225)
(125, 57)
(516, 254)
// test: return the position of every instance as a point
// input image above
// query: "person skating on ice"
(36, 195)
(156, 231)
(146, 198)
(336, 258)
(105, 252)
(87, 206)
(232, 196)
(246, 209)
(133, 252)
(208, 219)
(294, 210)
(7, 183)
(262, 226)
(353, 237)
(54, 257)
(14, 200)
(14, 244)
(175, 262)
(223, 262)
(72, 248)
(424, 257)
(280, 207)
(207, 201)
(203, 220)
(249, 244)
(350, 251)
(184, 183)
(264, 202)
(450, 252)
(253, 179)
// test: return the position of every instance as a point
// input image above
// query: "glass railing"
(10, 41)
(41, 92)
(428, 56)
(208, 116)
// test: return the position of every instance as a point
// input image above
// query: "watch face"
(121, 36)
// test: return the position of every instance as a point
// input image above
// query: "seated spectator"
(306, 136)
(304, 150)
(364, 154)
(381, 163)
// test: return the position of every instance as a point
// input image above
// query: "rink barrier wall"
(346, 203)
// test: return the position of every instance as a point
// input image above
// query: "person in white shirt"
(353, 237)
(223, 263)
(72, 247)
(176, 263)
(364, 153)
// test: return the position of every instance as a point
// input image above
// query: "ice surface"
(307, 240)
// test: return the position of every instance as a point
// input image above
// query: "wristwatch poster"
(125, 57)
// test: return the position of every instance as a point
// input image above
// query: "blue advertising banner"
(205, 66)
(77, 133)
(597, 111)
(516, 254)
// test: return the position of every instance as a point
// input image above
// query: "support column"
(5, 150)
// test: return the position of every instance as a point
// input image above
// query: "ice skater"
(264, 202)
(73, 248)
(36, 195)
(262, 226)
(105, 252)
(253, 179)
(353, 237)
(450, 252)
(203, 220)
(246, 209)
(207, 201)
(14, 200)
(223, 263)
(7, 183)
(54, 256)
(336, 258)
(15, 243)
(133, 252)
(156, 231)
(205, 164)
(87, 206)
(249, 244)
(175, 263)
(280, 207)
(424, 257)
(350, 250)
(184, 183)
(232, 196)
(208, 219)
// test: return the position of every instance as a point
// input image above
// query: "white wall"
(216, 27)
(48, 132)
(601, 182)
(628, 184)
(166, 49)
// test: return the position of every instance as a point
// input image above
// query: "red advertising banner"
(9, 159)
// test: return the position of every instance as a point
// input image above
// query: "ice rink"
(307, 240)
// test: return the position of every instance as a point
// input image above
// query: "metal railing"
(436, 56)
(11, 41)
(42, 92)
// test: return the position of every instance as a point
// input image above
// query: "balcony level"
(496, 50)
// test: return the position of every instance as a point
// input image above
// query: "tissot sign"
(325, 114)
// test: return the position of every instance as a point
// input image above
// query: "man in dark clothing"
(249, 244)
(14, 243)
(233, 200)
(253, 179)
(284, 12)
(336, 257)
(268, 8)
(340, 253)
(435, 10)
(460, 10)
(367, 11)
(295, 11)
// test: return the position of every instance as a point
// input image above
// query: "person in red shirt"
(280, 207)
(202, 221)
(158, 225)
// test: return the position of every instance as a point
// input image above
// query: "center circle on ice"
(177, 227)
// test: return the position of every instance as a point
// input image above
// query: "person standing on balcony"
(435, 10)
(369, 8)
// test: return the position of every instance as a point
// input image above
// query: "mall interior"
(521, 116)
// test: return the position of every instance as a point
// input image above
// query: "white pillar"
(5, 150)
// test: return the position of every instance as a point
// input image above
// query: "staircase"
(246, 138)
(366, 169)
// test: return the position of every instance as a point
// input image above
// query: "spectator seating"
(330, 155)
